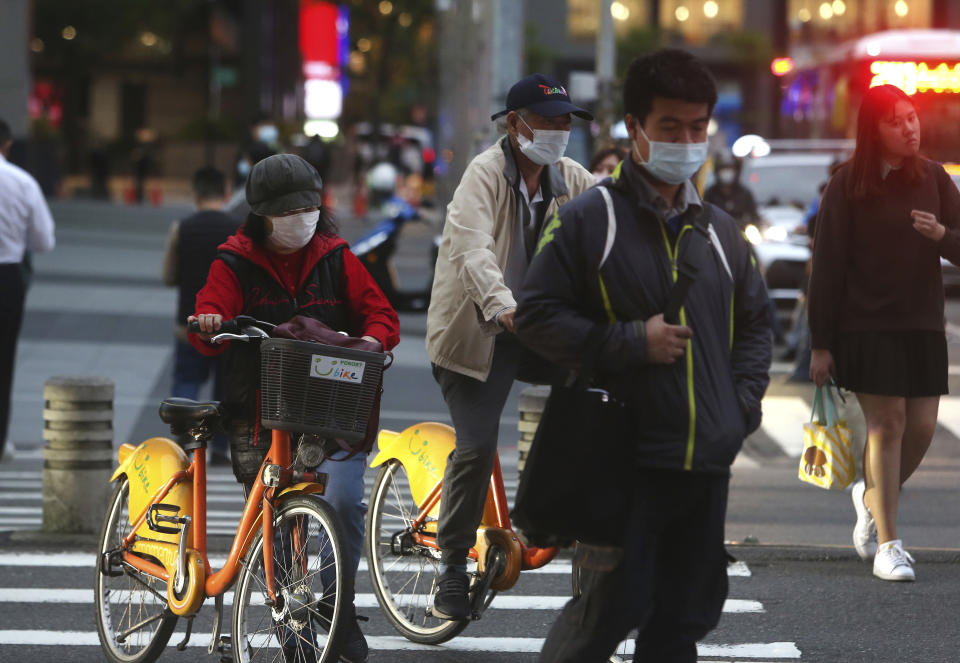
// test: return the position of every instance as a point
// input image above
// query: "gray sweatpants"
(475, 408)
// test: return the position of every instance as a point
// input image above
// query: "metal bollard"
(532, 401)
(78, 457)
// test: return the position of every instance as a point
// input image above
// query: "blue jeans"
(345, 493)
(191, 370)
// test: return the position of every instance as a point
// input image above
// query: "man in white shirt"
(25, 225)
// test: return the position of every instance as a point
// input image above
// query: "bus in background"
(821, 95)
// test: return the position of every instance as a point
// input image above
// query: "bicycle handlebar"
(242, 327)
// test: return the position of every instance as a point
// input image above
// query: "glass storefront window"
(699, 20)
(583, 17)
(823, 20)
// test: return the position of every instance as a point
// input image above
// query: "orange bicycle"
(401, 538)
(286, 558)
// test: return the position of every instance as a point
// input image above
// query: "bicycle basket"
(315, 388)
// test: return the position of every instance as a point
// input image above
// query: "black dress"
(876, 296)
(911, 364)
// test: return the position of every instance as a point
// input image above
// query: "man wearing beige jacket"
(504, 202)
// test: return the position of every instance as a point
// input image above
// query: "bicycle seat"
(183, 412)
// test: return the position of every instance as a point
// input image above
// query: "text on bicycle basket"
(337, 368)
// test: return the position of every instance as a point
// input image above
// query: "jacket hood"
(319, 246)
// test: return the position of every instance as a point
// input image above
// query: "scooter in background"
(376, 249)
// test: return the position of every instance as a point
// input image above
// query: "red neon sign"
(914, 77)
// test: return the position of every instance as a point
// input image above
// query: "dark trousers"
(12, 294)
(670, 582)
(191, 370)
(475, 408)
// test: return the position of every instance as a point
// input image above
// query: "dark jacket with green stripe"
(695, 413)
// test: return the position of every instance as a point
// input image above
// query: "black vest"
(199, 237)
(320, 297)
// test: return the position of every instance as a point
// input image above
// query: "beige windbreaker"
(482, 228)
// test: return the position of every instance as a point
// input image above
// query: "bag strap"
(694, 257)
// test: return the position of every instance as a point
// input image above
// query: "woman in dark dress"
(876, 307)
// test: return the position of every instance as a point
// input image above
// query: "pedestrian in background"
(252, 154)
(606, 161)
(191, 249)
(492, 227)
(287, 260)
(729, 194)
(876, 307)
(695, 387)
(25, 225)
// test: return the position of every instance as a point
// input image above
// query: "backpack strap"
(611, 225)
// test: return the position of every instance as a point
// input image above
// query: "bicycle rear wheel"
(404, 573)
(133, 620)
(307, 624)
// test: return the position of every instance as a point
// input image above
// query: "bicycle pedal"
(225, 649)
(155, 517)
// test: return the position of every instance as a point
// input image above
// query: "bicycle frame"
(495, 514)
(257, 511)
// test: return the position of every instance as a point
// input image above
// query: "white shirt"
(25, 220)
(531, 204)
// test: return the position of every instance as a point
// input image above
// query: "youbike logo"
(336, 368)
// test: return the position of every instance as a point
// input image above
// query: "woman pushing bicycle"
(287, 261)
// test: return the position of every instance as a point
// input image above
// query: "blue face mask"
(268, 134)
(672, 162)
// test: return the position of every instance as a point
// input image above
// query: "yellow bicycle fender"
(423, 450)
(123, 457)
(305, 488)
(148, 467)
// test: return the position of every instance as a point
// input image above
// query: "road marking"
(783, 420)
(781, 650)
(949, 414)
(363, 600)
(557, 566)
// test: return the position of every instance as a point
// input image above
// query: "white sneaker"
(893, 563)
(865, 531)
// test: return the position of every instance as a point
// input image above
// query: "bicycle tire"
(307, 609)
(392, 502)
(145, 596)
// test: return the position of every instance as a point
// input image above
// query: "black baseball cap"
(542, 95)
(282, 183)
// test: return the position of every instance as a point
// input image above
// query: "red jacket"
(369, 311)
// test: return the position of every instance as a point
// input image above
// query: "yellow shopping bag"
(827, 460)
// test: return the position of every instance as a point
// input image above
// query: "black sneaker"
(452, 601)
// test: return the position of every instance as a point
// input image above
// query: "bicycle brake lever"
(220, 338)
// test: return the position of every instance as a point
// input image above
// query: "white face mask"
(546, 147)
(294, 231)
(726, 176)
(672, 162)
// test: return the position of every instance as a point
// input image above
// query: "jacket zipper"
(691, 400)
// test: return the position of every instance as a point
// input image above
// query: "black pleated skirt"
(911, 364)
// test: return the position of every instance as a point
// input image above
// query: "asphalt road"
(97, 307)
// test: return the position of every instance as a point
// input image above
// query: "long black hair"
(255, 226)
(865, 167)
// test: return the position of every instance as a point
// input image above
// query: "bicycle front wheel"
(306, 624)
(133, 620)
(404, 573)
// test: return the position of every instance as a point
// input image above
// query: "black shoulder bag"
(576, 484)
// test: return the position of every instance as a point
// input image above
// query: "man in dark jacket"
(191, 248)
(695, 386)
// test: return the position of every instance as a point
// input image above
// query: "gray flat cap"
(282, 183)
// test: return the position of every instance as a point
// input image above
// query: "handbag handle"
(824, 405)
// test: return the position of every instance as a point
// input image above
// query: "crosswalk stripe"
(768, 650)
(232, 498)
(362, 600)
(783, 420)
(64, 560)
